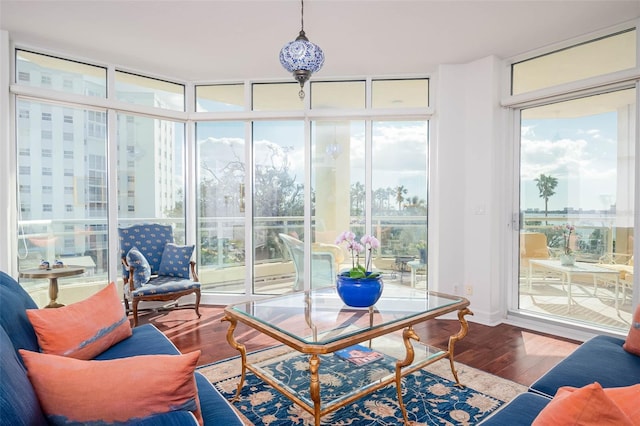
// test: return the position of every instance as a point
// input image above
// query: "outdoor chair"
(533, 245)
(154, 268)
(623, 264)
(323, 263)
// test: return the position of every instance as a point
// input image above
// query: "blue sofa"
(18, 401)
(600, 359)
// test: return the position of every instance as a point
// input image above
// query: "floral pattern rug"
(429, 394)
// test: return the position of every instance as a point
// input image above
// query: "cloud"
(566, 158)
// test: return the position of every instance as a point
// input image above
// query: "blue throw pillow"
(175, 260)
(141, 268)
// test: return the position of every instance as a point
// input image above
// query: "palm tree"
(400, 191)
(546, 185)
(357, 198)
(416, 205)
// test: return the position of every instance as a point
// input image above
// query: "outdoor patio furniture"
(323, 263)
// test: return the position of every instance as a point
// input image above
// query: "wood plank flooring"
(507, 351)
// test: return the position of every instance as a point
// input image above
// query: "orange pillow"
(587, 406)
(84, 329)
(78, 391)
(628, 400)
(632, 344)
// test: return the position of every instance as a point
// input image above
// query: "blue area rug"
(430, 399)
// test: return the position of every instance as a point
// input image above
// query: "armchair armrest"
(129, 279)
(194, 272)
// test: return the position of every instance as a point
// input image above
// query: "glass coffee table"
(316, 324)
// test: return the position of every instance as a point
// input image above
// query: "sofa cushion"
(163, 285)
(141, 268)
(72, 390)
(84, 329)
(18, 401)
(604, 360)
(175, 260)
(632, 343)
(146, 339)
(14, 302)
(585, 406)
(521, 410)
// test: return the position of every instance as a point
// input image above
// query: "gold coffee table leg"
(314, 366)
(241, 348)
(407, 334)
(464, 328)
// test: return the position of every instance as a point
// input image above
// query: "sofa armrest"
(214, 407)
(521, 410)
(600, 359)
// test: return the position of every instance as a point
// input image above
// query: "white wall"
(469, 189)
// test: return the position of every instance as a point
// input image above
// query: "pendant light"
(301, 57)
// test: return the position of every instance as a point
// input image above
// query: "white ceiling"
(231, 40)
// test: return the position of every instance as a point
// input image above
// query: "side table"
(52, 274)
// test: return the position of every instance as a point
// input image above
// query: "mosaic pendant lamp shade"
(301, 57)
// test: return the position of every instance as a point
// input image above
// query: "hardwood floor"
(507, 351)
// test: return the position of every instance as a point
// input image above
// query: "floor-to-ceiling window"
(245, 165)
(399, 188)
(221, 204)
(577, 186)
(278, 198)
(339, 190)
(61, 170)
(150, 172)
(62, 188)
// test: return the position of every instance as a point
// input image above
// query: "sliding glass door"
(577, 183)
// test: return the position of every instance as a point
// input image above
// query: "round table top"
(65, 271)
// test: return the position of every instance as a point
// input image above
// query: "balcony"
(222, 269)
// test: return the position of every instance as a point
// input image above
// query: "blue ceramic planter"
(359, 292)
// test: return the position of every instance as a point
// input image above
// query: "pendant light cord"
(302, 15)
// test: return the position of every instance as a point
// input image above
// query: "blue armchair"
(154, 268)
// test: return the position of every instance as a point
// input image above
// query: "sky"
(399, 153)
(582, 153)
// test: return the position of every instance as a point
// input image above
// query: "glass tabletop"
(319, 316)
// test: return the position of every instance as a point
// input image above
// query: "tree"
(416, 205)
(400, 192)
(357, 198)
(546, 185)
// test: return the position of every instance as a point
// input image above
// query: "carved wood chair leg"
(198, 303)
(135, 312)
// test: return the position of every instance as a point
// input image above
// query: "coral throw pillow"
(632, 344)
(175, 261)
(84, 329)
(73, 391)
(591, 405)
